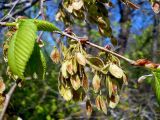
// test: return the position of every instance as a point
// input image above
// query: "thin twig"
(7, 99)
(41, 12)
(42, 9)
(9, 5)
(98, 47)
(9, 13)
(27, 6)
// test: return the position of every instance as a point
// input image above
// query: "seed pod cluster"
(73, 81)
(108, 78)
(93, 11)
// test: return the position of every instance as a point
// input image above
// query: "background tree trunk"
(156, 37)
(124, 30)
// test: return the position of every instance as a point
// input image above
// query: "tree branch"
(140, 62)
(8, 97)
(98, 47)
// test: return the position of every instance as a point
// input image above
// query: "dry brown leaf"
(2, 86)
(55, 55)
(85, 82)
(89, 108)
(75, 81)
(156, 7)
(96, 82)
(69, 67)
(64, 70)
(103, 105)
(97, 101)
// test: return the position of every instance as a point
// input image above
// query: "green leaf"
(43, 25)
(21, 47)
(157, 84)
(36, 63)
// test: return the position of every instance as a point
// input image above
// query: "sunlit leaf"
(79, 95)
(103, 104)
(116, 71)
(77, 4)
(68, 94)
(80, 58)
(97, 102)
(64, 70)
(96, 83)
(21, 47)
(70, 67)
(42, 24)
(75, 81)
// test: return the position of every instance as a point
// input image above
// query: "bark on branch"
(8, 97)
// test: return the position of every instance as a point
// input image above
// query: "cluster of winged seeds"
(75, 82)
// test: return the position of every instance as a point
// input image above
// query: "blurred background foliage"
(40, 100)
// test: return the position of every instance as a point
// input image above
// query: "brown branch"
(8, 97)
(140, 62)
(98, 47)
